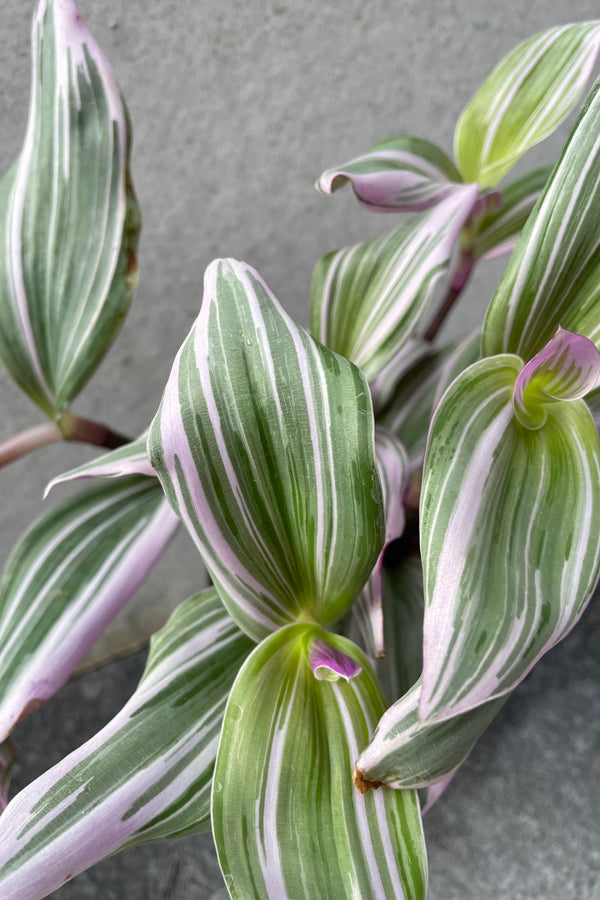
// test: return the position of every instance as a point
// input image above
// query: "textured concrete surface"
(237, 107)
(520, 821)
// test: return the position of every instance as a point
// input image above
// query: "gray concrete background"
(237, 107)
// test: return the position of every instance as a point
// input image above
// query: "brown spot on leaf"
(363, 784)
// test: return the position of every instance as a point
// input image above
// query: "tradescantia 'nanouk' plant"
(296, 461)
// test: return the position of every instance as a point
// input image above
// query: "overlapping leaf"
(400, 174)
(287, 821)
(367, 301)
(524, 99)
(405, 753)
(510, 518)
(130, 459)
(498, 231)
(68, 218)
(146, 775)
(553, 276)
(264, 445)
(67, 579)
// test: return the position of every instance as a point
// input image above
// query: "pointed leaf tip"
(567, 368)
(329, 664)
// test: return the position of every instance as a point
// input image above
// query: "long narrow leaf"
(66, 580)
(68, 218)
(524, 100)
(145, 776)
(367, 301)
(510, 518)
(131, 459)
(498, 232)
(553, 277)
(287, 821)
(400, 174)
(264, 444)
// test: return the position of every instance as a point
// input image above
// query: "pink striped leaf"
(69, 221)
(370, 300)
(497, 230)
(287, 821)
(398, 175)
(67, 578)
(146, 776)
(553, 276)
(524, 100)
(131, 459)
(510, 517)
(264, 444)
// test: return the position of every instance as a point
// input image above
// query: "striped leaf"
(286, 820)
(264, 446)
(524, 100)
(69, 221)
(553, 276)
(145, 776)
(498, 231)
(405, 753)
(464, 355)
(130, 459)
(510, 518)
(7, 760)
(392, 464)
(367, 301)
(66, 580)
(400, 174)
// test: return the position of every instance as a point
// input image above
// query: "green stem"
(78, 428)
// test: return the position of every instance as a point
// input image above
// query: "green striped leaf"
(367, 301)
(498, 231)
(400, 174)
(524, 100)
(510, 518)
(405, 753)
(67, 578)
(145, 776)
(69, 222)
(264, 444)
(286, 820)
(130, 459)
(553, 276)
(464, 355)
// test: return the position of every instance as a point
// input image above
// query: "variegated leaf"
(264, 446)
(464, 355)
(498, 231)
(409, 410)
(66, 580)
(145, 776)
(400, 174)
(553, 276)
(130, 459)
(367, 301)
(69, 222)
(405, 753)
(510, 518)
(392, 464)
(286, 820)
(524, 100)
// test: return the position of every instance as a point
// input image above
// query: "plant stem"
(68, 428)
(459, 282)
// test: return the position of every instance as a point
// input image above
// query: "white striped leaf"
(7, 760)
(146, 776)
(287, 821)
(67, 578)
(464, 355)
(130, 459)
(367, 301)
(405, 753)
(392, 464)
(524, 100)
(264, 444)
(384, 384)
(553, 276)
(69, 222)
(510, 518)
(400, 174)
(498, 231)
